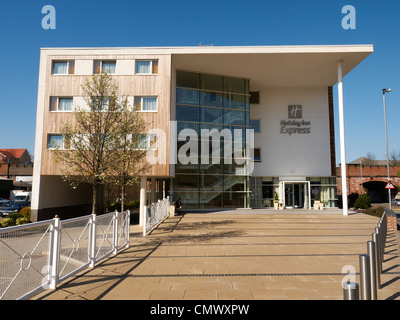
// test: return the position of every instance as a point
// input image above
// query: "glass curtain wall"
(219, 178)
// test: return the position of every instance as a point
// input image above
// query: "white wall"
(301, 155)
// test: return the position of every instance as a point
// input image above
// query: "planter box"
(318, 205)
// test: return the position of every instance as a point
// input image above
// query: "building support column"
(153, 190)
(142, 204)
(342, 139)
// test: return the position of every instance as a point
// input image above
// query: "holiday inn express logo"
(295, 125)
(295, 112)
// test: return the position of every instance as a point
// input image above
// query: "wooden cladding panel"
(131, 85)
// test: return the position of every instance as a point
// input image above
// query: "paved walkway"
(253, 254)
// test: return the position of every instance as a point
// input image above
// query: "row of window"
(142, 102)
(59, 141)
(149, 142)
(142, 67)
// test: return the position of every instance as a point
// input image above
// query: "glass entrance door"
(294, 195)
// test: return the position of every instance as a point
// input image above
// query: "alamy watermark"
(204, 147)
(49, 20)
(349, 20)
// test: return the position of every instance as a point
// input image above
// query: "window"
(147, 141)
(107, 66)
(58, 141)
(254, 97)
(60, 104)
(146, 103)
(257, 155)
(187, 79)
(103, 103)
(63, 67)
(146, 67)
(255, 125)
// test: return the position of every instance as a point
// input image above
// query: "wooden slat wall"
(131, 85)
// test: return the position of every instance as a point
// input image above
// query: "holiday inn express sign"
(295, 124)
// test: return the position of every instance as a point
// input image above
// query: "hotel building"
(273, 106)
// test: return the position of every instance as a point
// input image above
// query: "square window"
(104, 104)
(63, 67)
(108, 66)
(61, 104)
(254, 97)
(146, 67)
(146, 103)
(58, 141)
(147, 141)
(257, 155)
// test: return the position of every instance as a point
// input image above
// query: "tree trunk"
(122, 198)
(94, 198)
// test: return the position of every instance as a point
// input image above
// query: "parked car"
(5, 203)
(11, 207)
(397, 201)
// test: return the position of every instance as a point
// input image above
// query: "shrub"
(15, 219)
(26, 212)
(15, 216)
(316, 197)
(114, 206)
(132, 205)
(352, 198)
(363, 202)
(22, 220)
(7, 222)
(375, 211)
(128, 206)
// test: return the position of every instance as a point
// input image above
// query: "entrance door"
(294, 195)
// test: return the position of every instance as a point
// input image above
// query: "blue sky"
(104, 23)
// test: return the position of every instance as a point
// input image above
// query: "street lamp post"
(362, 188)
(387, 150)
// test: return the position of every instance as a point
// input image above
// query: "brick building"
(366, 175)
(16, 165)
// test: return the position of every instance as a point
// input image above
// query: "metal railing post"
(144, 220)
(365, 277)
(127, 234)
(55, 254)
(115, 232)
(378, 230)
(372, 266)
(375, 239)
(92, 240)
(351, 291)
(380, 255)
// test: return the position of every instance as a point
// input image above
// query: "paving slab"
(239, 254)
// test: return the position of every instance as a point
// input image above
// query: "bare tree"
(394, 158)
(87, 152)
(369, 159)
(131, 145)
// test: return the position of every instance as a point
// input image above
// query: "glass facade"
(264, 189)
(216, 109)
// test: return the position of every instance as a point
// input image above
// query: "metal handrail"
(155, 214)
(23, 272)
(370, 264)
